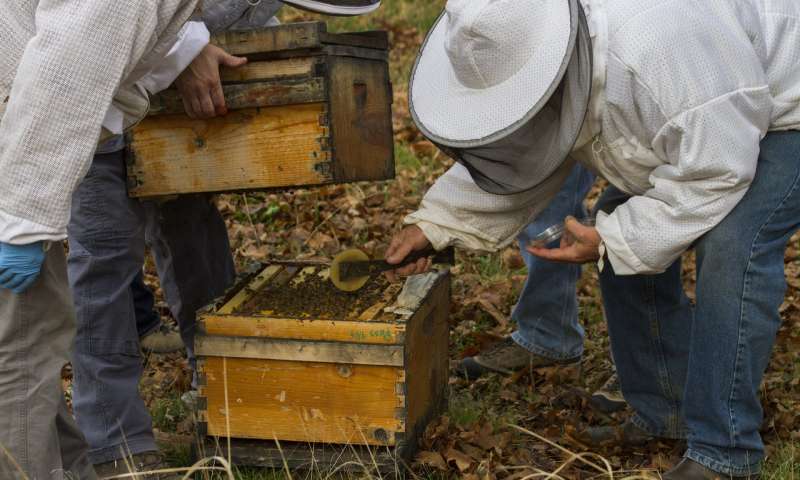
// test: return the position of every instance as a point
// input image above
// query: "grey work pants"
(107, 234)
(36, 331)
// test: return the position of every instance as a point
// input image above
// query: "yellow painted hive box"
(309, 108)
(288, 357)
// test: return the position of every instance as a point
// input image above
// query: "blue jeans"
(107, 234)
(696, 372)
(547, 310)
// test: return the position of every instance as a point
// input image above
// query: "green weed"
(168, 412)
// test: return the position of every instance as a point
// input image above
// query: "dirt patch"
(308, 293)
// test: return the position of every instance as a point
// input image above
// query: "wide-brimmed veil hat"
(505, 84)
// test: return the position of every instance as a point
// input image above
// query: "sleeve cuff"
(18, 231)
(192, 40)
(436, 235)
(620, 255)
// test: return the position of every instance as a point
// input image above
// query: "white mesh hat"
(337, 7)
(505, 84)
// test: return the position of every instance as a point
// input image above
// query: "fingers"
(17, 281)
(565, 254)
(399, 248)
(422, 265)
(202, 104)
(197, 107)
(229, 60)
(207, 105)
(187, 106)
(576, 229)
(218, 99)
(6, 276)
(408, 240)
(25, 285)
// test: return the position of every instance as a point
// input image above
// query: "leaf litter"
(479, 437)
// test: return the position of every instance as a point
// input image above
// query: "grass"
(784, 464)
(168, 412)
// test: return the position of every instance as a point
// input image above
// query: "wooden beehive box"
(309, 108)
(288, 357)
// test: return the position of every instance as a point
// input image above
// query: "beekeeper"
(188, 239)
(691, 111)
(66, 70)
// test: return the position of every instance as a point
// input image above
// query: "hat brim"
(333, 8)
(451, 114)
(529, 155)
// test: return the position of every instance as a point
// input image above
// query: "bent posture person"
(187, 236)
(62, 65)
(691, 111)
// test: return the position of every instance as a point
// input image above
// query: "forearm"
(457, 212)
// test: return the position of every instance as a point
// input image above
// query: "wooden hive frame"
(392, 370)
(310, 108)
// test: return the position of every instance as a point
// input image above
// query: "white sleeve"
(712, 152)
(65, 82)
(455, 211)
(192, 39)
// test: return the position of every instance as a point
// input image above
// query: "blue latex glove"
(20, 265)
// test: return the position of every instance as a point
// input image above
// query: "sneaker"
(161, 340)
(505, 357)
(141, 462)
(608, 398)
(336, 7)
(627, 434)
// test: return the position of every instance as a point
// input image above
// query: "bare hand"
(200, 86)
(408, 240)
(579, 244)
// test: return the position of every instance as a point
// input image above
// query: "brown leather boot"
(691, 470)
(141, 463)
(506, 357)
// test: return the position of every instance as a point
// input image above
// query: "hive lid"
(300, 36)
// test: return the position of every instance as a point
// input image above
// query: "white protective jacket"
(78, 56)
(683, 92)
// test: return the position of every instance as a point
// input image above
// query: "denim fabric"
(147, 319)
(36, 428)
(701, 368)
(107, 234)
(547, 310)
(189, 240)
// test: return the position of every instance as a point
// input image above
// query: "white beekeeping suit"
(672, 122)
(62, 63)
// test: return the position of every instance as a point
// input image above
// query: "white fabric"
(61, 64)
(479, 54)
(480, 221)
(193, 37)
(691, 88)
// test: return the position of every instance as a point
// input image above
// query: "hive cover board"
(309, 108)
(288, 357)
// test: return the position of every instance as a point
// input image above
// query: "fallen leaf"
(432, 459)
(461, 459)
